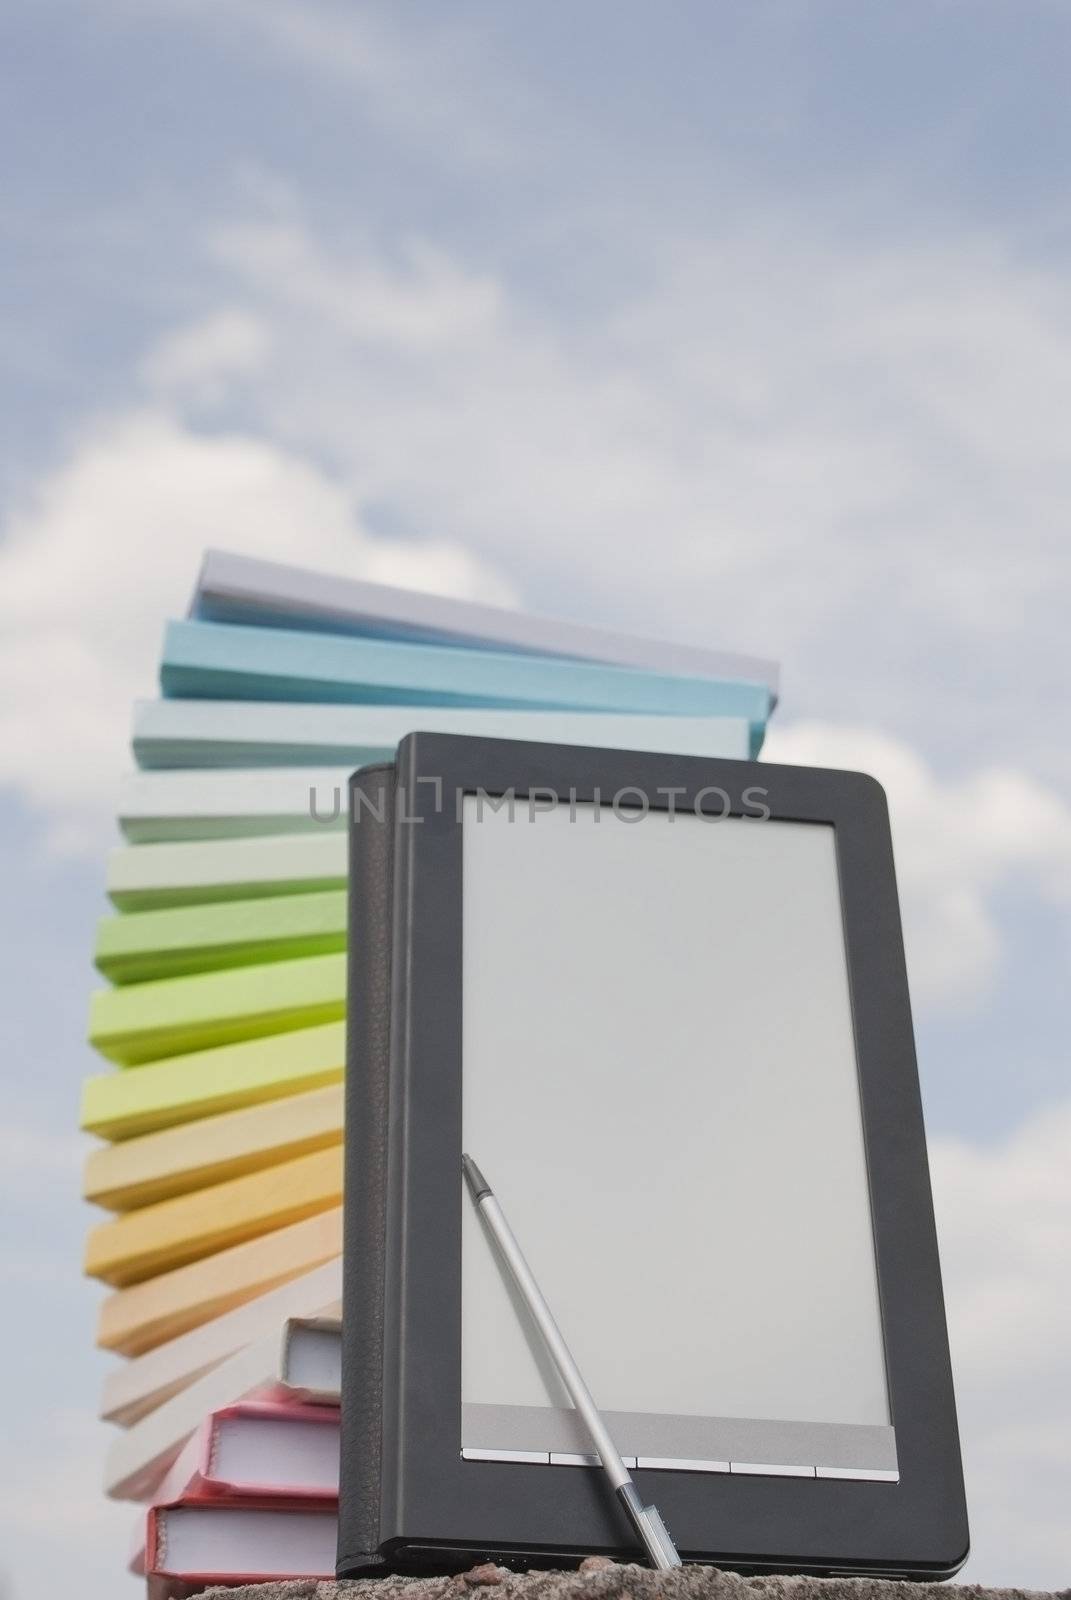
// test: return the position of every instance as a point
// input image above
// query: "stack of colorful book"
(224, 1019)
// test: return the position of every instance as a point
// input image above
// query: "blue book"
(217, 662)
(243, 589)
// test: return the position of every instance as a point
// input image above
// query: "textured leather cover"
(367, 1111)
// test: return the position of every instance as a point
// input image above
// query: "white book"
(155, 807)
(148, 877)
(301, 1360)
(183, 1549)
(146, 1381)
(244, 733)
(242, 589)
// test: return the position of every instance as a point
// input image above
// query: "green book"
(150, 877)
(167, 1016)
(162, 944)
(120, 1105)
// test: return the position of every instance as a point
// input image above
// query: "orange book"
(160, 1237)
(143, 1316)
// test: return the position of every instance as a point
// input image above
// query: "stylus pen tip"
(478, 1184)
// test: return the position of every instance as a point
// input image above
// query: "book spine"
(371, 833)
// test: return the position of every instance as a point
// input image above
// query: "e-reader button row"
(764, 1469)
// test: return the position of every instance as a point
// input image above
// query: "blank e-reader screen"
(660, 1082)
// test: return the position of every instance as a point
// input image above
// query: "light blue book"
(229, 733)
(218, 662)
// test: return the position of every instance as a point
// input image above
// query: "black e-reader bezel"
(437, 1508)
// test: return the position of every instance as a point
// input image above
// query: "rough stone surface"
(621, 1582)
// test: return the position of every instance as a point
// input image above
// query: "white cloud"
(109, 549)
(957, 840)
(842, 457)
(200, 361)
(1004, 1222)
(435, 86)
(423, 304)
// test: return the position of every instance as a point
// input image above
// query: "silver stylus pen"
(645, 1519)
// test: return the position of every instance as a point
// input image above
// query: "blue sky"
(745, 325)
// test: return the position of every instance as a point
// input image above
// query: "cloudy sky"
(743, 324)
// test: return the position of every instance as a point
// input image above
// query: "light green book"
(166, 1016)
(155, 807)
(163, 1094)
(150, 877)
(136, 946)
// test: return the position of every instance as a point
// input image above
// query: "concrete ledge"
(600, 1580)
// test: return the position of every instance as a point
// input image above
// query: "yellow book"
(158, 1166)
(164, 1094)
(143, 1316)
(172, 1233)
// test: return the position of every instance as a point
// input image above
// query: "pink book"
(258, 1450)
(186, 1548)
(253, 1496)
